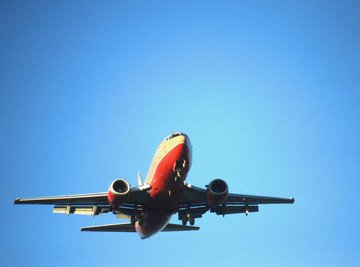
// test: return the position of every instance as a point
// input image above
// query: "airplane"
(165, 192)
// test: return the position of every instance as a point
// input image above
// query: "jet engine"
(217, 193)
(118, 192)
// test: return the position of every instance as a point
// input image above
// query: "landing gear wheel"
(178, 169)
(192, 220)
(177, 175)
(184, 221)
(140, 220)
(132, 220)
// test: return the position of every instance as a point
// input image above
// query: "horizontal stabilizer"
(178, 227)
(127, 227)
(119, 227)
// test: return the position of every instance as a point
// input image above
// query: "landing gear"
(188, 218)
(178, 169)
(132, 220)
(137, 218)
(140, 220)
(178, 174)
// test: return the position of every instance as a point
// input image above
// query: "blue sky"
(268, 92)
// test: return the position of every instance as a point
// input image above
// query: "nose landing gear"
(179, 169)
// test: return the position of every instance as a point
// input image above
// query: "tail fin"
(140, 183)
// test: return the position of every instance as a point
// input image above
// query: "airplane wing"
(89, 204)
(127, 227)
(81, 199)
(194, 203)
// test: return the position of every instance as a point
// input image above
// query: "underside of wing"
(81, 199)
(196, 196)
(84, 204)
(193, 195)
(255, 200)
(92, 204)
(194, 203)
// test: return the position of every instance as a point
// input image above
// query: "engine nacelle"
(217, 193)
(118, 192)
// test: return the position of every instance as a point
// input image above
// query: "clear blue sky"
(268, 92)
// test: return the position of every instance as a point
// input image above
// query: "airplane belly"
(152, 223)
(166, 185)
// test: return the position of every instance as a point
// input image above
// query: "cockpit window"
(173, 135)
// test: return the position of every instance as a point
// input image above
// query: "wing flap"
(223, 210)
(80, 210)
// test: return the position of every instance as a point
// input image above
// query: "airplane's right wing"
(91, 204)
(194, 203)
(80, 199)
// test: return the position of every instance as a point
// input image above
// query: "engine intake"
(118, 192)
(217, 193)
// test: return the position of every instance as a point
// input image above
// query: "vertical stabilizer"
(140, 183)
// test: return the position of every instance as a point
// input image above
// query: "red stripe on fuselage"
(165, 191)
(165, 188)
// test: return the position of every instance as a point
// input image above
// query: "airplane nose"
(183, 138)
(180, 138)
(187, 141)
